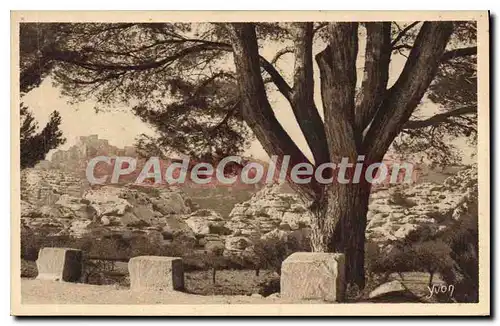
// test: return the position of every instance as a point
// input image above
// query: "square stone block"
(313, 276)
(59, 264)
(155, 272)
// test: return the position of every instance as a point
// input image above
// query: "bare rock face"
(59, 264)
(313, 276)
(395, 212)
(206, 221)
(237, 243)
(267, 210)
(45, 186)
(154, 272)
(112, 209)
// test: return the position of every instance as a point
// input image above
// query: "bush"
(429, 256)
(462, 238)
(269, 286)
(270, 252)
(28, 269)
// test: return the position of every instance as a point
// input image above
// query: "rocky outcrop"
(115, 209)
(206, 221)
(45, 186)
(389, 288)
(76, 157)
(267, 210)
(393, 212)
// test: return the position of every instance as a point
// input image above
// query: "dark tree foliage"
(455, 89)
(36, 40)
(36, 144)
(463, 239)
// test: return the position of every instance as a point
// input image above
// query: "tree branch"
(449, 55)
(78, 59)
(337, 66)
(319, 26)
(281, 53)
(256, 109)
(403, 32)
(440, 118)
(302, 99)
(376, 73)
(406, 93)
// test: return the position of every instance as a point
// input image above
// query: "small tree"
(463, 240)
(36, 144)
(215, 259)
(270, 253)
(431, 257)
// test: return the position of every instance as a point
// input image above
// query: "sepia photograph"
(250, 163)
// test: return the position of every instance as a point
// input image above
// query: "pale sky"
(121, 127)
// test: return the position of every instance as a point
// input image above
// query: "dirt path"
(48, 292)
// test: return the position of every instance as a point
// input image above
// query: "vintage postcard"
(250, 163)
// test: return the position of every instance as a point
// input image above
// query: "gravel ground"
(49, 292)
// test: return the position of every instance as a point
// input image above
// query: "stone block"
(59, 264)
(155, 272)
(313, 276)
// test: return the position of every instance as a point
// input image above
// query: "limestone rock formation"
(115, 209)
(393, 212)
(388, 288)
(206, 221)
(267, 210)
(45, 186)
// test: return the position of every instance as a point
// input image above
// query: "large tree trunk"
(366, 128)
(339, 225)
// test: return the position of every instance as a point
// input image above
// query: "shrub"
(429, 256)
(462, 238)
(270, 252)
(219, 229)
(28, 269)
(30, 245)
(269, 286)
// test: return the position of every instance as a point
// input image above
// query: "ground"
(227, 282)
(231, 286)
(50, 292)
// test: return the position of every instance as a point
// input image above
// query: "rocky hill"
(56, 200)
(393, 212)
